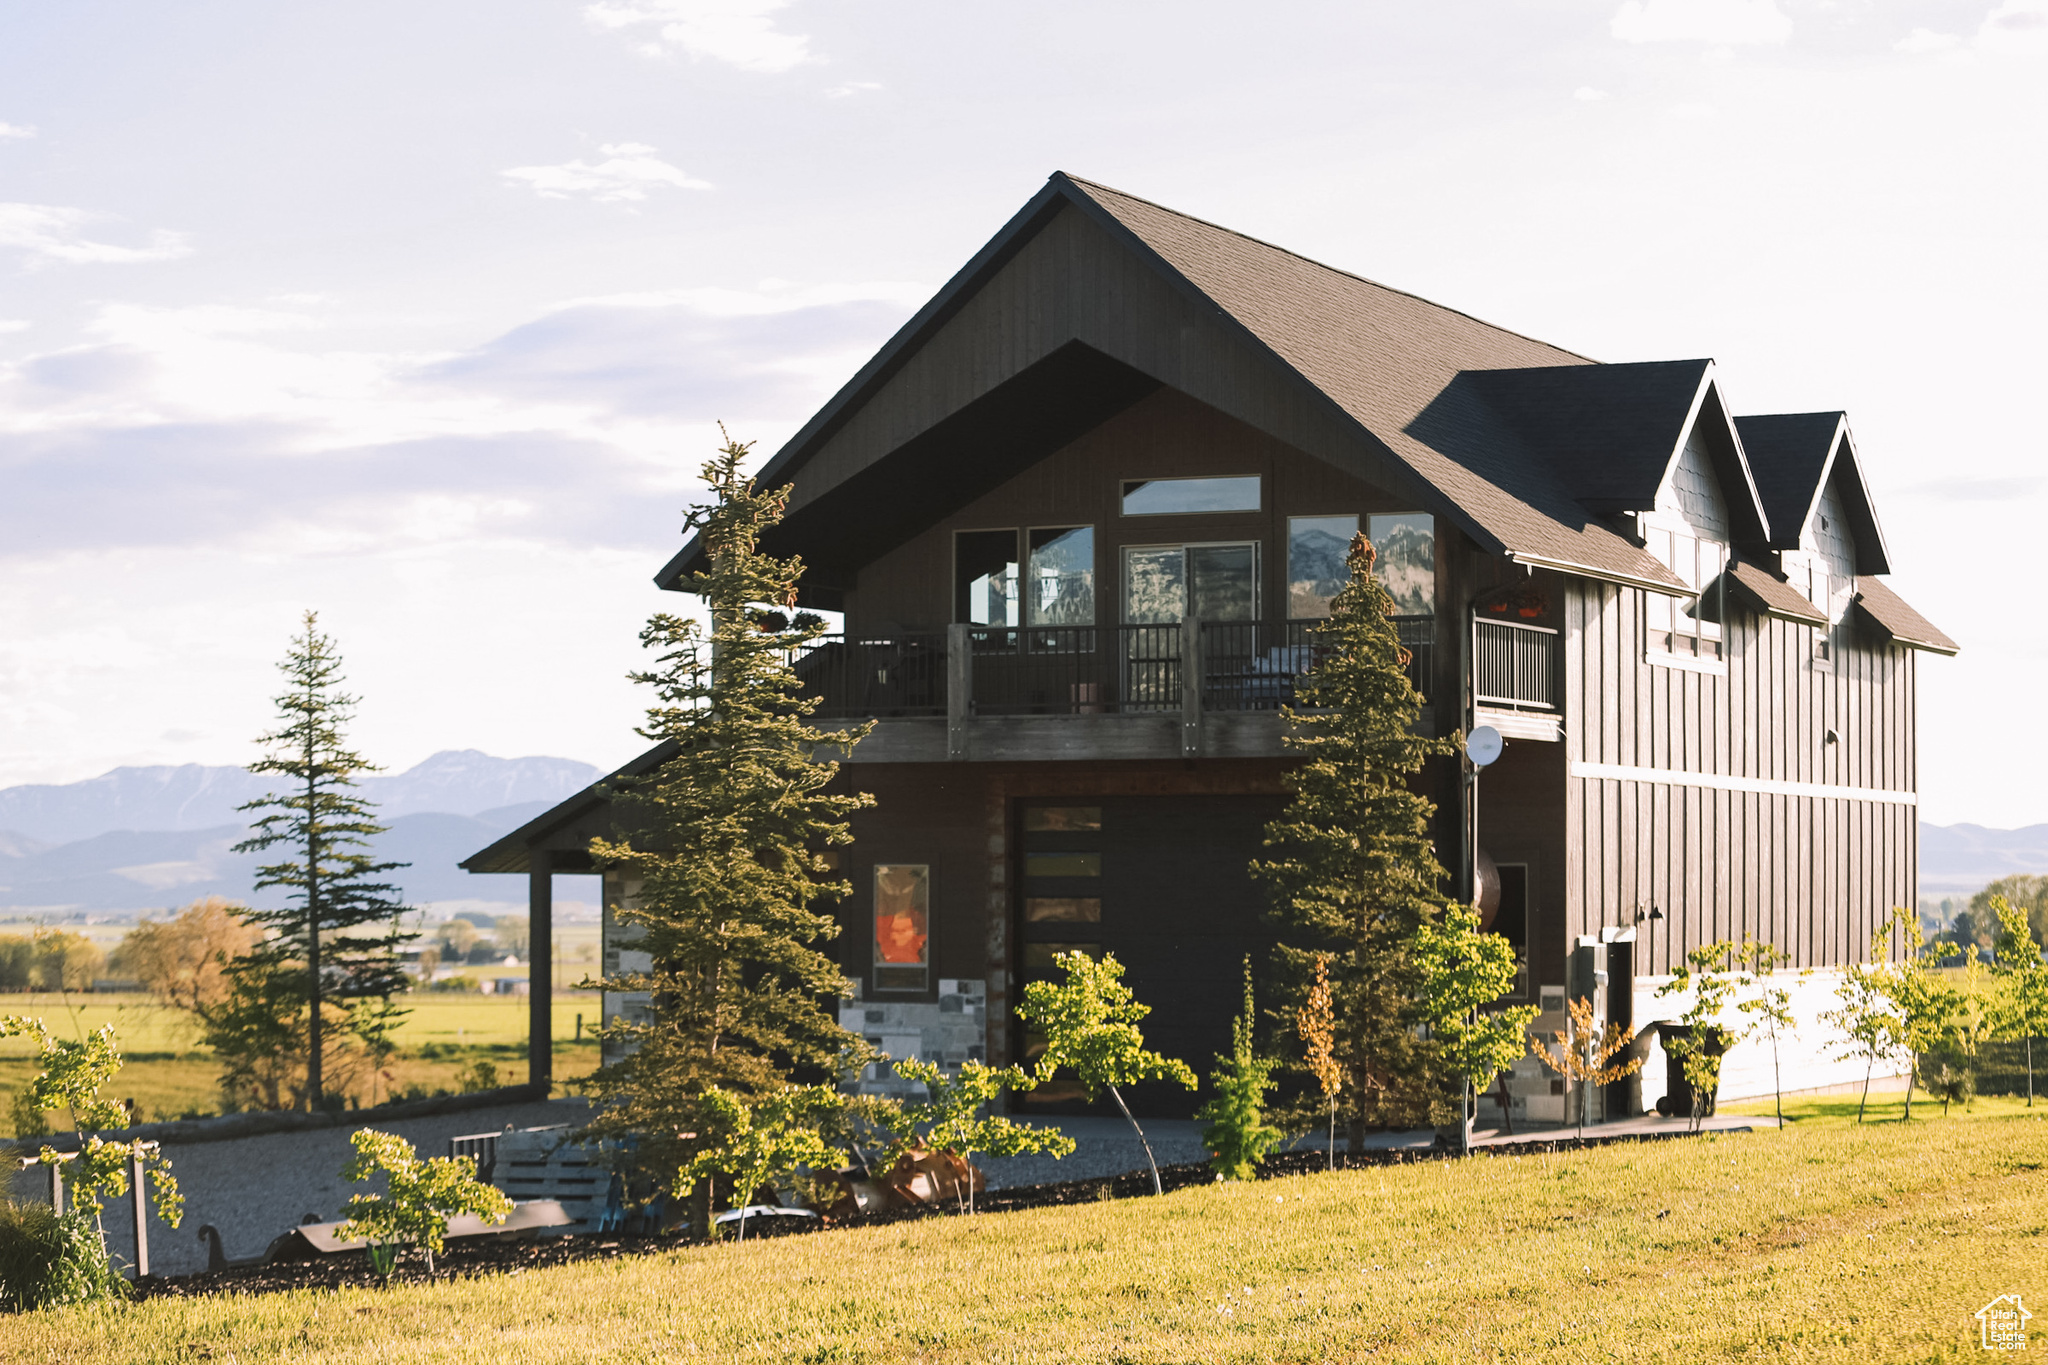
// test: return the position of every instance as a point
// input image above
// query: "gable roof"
(568, 825)
(1529, 448)
(1794, 455)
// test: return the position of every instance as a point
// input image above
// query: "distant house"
(1082, 515)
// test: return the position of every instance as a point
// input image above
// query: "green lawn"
(1824, 1242)
(167, 1074)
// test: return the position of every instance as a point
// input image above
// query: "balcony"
(1177, 690)
(1514, 678)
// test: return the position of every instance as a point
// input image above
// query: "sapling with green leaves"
(952, 1117)
(1870, 1027)
(1090, 1023)
(1708, 974)
(1463, 971)
(421, 1195)
(1933, 1011)
(2021, 970)
(753, 1140)
(1315, 1023)
(1771, 1007)
(71, 1076)
(1237, 1135)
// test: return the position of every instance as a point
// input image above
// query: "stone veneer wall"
(951, 1030)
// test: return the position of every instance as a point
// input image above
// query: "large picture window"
(1060, 577)
(1317, 548)
(903, 894)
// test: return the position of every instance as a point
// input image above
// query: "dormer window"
(1687, 533)
(1830, 567)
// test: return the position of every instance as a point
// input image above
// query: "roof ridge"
(1320, 265)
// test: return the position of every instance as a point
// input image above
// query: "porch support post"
(1192, 670)
(540, 973)
(959, 688)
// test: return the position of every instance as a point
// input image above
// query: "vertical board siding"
(1813, 875)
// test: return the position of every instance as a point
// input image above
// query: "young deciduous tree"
(726, 846)
(1352, 874)
(1090, 1023)
(951, 1117)
(1870, 1027)
(421, 1195)
(2022, 973)
(1585, 1054)
(1315, 1023)
(1771, 1007)
(1464, 970)
(71, 1076)
(1935, 1014)
(315, 951)
(753, 1139)
(1237, 1135)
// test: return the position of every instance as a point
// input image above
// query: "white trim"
(1715, 668)
(1764, 786)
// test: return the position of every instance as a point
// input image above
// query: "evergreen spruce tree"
(1353, 874)
(725, 848)
(311, 978)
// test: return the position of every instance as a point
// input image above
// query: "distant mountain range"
(1962, 859)
(192, 796)
(145, 839)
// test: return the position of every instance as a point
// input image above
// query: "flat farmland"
(168, 1074)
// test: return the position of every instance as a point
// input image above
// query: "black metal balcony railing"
(1080, 670)
(1514, 665)
(901, 675)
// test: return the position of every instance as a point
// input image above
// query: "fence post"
(140, 1203)
(959, 688)
(1191, 673)
(57, 1187)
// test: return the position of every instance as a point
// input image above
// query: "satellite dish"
(1482, 746)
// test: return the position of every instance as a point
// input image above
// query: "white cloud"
(1924, 40)
(839, 92)
(8, 130)
(1700, 21)
(1588, 95)
(2016, 26)
(14, 325)
(741, 32)
(49, 233)
(628, 172)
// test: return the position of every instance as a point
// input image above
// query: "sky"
(423, 315)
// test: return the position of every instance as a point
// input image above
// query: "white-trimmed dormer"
(1688, 531)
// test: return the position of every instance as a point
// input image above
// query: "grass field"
(1824, 1242)
(167, 1074)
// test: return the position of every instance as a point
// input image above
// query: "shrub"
(421, 1195)
(478, 1077)
(47, 1259)
(1238, 1136)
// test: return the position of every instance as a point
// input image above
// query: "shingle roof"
(1389, 359)
(1789, 454)
(1905, 625)
(1773, 594)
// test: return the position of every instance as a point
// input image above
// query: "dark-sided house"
(1081, 516)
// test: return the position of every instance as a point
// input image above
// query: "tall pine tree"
(725, 850)
(316, 972)
(1353, 873)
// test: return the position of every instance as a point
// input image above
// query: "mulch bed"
(468, 1260)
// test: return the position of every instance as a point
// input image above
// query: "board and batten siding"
(1750, 822)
